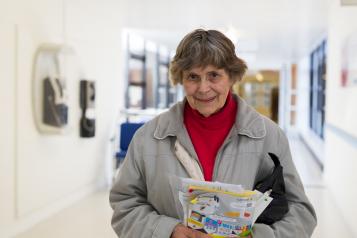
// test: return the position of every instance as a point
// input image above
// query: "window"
(136, 91)
(163, 84)
(317, 89)
(136, 94)
(148, 76)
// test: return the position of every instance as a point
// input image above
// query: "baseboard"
(315, 152)
(34, 218)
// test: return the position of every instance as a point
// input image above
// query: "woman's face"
(206, 88)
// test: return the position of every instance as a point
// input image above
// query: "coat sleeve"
(133, 215)
(301, 220)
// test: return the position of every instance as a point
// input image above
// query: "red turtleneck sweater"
(208, 133)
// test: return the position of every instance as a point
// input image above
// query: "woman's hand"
(181, 231)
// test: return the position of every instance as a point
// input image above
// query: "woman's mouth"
(205, 100)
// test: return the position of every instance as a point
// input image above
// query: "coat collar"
(248, 122)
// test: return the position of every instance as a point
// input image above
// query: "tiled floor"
(91, 217)
(329, 219)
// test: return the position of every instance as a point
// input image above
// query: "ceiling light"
(259, 77)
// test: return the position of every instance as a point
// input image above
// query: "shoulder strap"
(275, 159)
(272, 180)
(190, 164)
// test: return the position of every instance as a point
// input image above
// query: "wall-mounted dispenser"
(50, 95)
(87, 103)
(55, 105)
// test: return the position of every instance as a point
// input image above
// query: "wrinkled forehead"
(199, 69)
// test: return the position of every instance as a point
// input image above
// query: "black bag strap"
(275, 180)
(274, 183)
(275, 159)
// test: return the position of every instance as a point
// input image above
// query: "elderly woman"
(228, 139)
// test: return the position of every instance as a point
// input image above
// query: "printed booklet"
(220, 209)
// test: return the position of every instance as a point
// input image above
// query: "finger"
(181, 231)
(198, 234)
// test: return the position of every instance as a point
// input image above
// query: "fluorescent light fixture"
(349, 2)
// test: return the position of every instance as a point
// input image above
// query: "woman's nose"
(204, 85)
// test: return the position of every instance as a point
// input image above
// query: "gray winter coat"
(144, 204)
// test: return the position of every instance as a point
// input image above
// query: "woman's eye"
(213, 75)
(193, 77)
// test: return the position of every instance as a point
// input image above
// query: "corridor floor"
(90, 218)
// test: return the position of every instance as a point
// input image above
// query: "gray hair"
(201, 48)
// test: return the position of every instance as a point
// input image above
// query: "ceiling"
(268, 32)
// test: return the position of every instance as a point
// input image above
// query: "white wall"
(40, 174)
(303, 91)
(284, 85)
(7, 125)
(341, 130)
(338, 152)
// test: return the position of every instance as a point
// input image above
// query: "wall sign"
(349, 61)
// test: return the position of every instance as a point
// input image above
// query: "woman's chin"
(206, 113)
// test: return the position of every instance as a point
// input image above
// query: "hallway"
(90, 218)
(329, 223)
